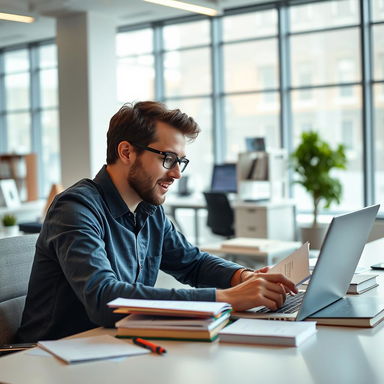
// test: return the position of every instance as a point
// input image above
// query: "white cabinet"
(266, 220)
(262, 175)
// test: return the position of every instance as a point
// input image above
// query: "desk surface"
(334, 355)
(197, 201)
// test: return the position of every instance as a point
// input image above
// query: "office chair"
(220, 214)
(16, 257)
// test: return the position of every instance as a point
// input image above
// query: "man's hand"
(259, 289)
(244, 274)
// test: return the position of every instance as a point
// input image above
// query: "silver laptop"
(338, 259)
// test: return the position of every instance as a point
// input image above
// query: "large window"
(48, 117)
(378, 96)
(250, 62)
(184, 81)
(135, 66)
(28, 107)
(230, 74)
(188, 86)
(17, 101)
(272, 70)
(326, 86)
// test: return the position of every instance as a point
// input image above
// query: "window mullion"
(218, 121)
(3, 126)
(159, 62)
(367, 105)
(35, 113)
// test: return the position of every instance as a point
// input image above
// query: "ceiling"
(123, 12)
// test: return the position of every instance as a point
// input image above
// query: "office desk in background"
(334, 355)
(252, 258)
(263, 219)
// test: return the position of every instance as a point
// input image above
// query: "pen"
(147, 344)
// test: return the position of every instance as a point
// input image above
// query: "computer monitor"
(224, 178)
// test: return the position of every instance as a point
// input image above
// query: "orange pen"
(147, 344)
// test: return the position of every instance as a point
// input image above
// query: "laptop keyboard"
(291, 305)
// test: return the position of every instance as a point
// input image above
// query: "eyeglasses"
(170, 159)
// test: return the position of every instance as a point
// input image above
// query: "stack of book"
(360, 283)
(162, 319)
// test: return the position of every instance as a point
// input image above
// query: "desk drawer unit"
(251, 222)
(272, 222)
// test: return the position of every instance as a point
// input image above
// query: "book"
(252, 169)
(90, 348)
(360, 283)
(261, 169)
(161, 327)
(253, 331)
(358, 311)
(262, 246)
(248, 243)
(170, 307)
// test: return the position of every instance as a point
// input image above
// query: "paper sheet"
(295, 266)
(90, 348)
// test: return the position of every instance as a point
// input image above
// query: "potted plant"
(313, 160)
(9, 225)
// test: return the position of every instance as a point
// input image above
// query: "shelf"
(22, 168)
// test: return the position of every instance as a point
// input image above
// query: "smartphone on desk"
(9, 348)
(378, 266)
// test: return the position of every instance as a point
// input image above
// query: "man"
(108, 237)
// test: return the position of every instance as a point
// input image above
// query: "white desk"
(275, 220)
(253, 258)
(335, 355)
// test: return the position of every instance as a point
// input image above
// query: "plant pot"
(10, 231)
(315, 235)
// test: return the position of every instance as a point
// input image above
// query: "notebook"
(338, 259)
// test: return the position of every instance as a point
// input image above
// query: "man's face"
(147, 176)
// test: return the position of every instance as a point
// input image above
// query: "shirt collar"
(112, 197)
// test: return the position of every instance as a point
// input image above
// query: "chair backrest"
(16, 257)
(220, 214)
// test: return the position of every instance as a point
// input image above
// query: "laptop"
(337, 262)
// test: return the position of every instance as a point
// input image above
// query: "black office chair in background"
(220, 214)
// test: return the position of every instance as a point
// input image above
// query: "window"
(238, 95)
(378, 96)
(188, 86)
(32, 70)
(251, 99)
(17, 100)
(324, 14)
(327, 61)
(48, 118)
(135, 66)
(227, 78)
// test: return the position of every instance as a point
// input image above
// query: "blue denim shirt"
(92, 249)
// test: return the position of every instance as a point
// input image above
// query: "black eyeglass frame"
(182, 161)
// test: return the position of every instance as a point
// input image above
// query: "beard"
(144, 185)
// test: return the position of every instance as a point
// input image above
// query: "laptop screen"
(338, 259)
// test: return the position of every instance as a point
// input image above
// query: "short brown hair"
(136, 123)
